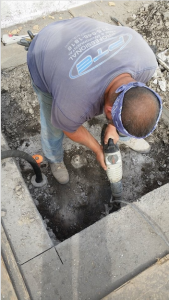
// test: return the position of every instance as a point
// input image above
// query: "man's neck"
(117, 82)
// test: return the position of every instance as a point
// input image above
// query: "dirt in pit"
(68, 209)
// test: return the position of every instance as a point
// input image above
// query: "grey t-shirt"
(75, 60)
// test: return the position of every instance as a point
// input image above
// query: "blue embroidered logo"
(84, 65)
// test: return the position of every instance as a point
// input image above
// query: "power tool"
(26, 41)
(113, 162)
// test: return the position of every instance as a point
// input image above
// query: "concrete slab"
(13, 270)
(153, 283)
(12, 56)
(42, 276)
(86, 10)
(104, 256)
(15, 55)
(21, 220)
(102, 10)
(7, 290)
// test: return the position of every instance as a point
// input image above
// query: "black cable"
(27, 157)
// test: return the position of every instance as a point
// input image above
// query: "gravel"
(152, 22)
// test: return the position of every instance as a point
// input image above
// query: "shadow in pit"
(68, 209)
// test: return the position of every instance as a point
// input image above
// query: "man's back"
(75, 60)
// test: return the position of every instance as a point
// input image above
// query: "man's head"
(136, 110)
(140, 111)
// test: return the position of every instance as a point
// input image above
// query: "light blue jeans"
(52, 137)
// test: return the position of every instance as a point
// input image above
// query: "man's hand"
(82, 136)
(100, 158)
(111, 133)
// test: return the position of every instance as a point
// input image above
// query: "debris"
(166, 16)
(19, 190)
(36, 27)
(112, 4)
(164, 56)
(15, 31)
(151, 22)
(157, 73)
(100, 13)
(116, 21)
(31, 111)
(78, 161)
(162, 85)
(36, 202)
(3, 212)
(60, 18)
(162, 63)
(51, 17)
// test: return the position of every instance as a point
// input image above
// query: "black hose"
(27, 157)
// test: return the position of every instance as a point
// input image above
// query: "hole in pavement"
(68, 209)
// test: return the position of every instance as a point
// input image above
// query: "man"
(81, 68)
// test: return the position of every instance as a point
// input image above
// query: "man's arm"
(82, 136)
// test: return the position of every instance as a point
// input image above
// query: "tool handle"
(111, 142)
(30, 34)
(110, 146)
(116, 21)
(23, 42)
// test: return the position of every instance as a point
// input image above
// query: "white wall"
(15, 12)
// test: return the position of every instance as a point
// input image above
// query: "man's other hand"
(111, 133)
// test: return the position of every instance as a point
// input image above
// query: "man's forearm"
(82, 136)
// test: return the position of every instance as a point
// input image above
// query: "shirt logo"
(86, 62)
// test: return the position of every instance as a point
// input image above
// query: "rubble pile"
(17, 82)
(152, 22)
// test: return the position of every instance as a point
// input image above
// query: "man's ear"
(109, 108)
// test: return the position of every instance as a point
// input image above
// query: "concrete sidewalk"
(143, 286)
(14, 55)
